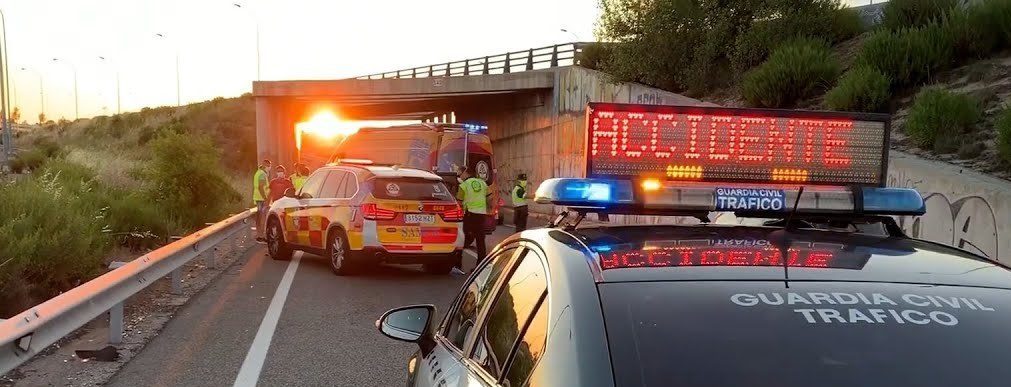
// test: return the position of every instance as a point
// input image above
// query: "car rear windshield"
(810, 334)
(410, 189)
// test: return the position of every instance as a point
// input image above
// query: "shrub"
(969, 32)
(898, 14)
(846, 23)
(1003, 126)
(909, 56)
(184, 176)
(939, 119)
(794, 71)
(861, 89)
(28, 161)
(593, 56)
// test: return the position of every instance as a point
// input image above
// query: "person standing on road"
(520, 202)
(299, 175)
(279, 184)
(261, 192)
(473, 194)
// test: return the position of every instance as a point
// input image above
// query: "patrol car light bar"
(653, 195)
(714, 144)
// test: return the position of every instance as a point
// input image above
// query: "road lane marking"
(249, 374)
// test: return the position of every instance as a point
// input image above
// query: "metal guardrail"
(566, 54)
(31, 331)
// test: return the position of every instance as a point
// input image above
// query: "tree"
(689, 45)
(16, 114)
(42, 117)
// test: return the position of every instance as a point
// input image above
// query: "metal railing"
(31, 331)
(566, 54)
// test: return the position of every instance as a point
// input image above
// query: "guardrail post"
(430, 68)
(414, 73)
(554, 56)
(508, 64)
(177, 281)
(448, 65)
(116, 324)
(530, 59)
(485, 71)
(466, 67)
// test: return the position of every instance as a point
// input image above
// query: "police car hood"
(739, 253)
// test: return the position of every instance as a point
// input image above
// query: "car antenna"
(784, 249)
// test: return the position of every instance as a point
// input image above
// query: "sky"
(215, 43)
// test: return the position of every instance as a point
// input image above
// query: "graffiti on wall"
(966, 222)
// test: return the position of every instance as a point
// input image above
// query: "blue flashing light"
(584, 192)
(893, 201)
(474, 128)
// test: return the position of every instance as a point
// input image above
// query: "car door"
(443, 366)
(513, 332)
(308, 221)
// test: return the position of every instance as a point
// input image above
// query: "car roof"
(743, 253)
(384, 171)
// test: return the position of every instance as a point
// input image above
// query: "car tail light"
(371, 211)
(453, 215)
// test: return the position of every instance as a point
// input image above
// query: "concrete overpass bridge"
(533, 102)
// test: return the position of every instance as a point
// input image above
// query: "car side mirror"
(290, 193)
(407, 323)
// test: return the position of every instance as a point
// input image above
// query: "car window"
(519, 298)
(313, 184)
(411, 189)
(350, 186)
(332, 185)
(475, 296)
(530, 348)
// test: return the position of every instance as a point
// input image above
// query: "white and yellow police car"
(355, 213)
(824, 290)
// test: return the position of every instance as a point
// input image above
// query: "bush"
(1003, 126)
(28, 161)
(593, 56)
(185, 178)
(909, 56)
(939, 119)
(861, 89)
(794, 71)
(899, 14)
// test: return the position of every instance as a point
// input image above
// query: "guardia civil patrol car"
(354, 213)
(812, 282)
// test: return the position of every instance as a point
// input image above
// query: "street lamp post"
(8, 148)
(256, 21)
(178, 99)
(77, 111)
(42, 93)
(571, 33)
(118, 111)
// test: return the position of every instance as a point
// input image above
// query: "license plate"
(419, 218)
(752, 199)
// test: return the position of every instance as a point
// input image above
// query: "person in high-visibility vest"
(299, 175)
(519, 194)
(473, 195)
(261, 191)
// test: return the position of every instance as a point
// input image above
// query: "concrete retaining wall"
(965, 209)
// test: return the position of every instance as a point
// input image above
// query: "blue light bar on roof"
(655, 196)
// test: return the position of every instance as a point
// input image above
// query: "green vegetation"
(900, 14)
(861, 89)
(908, 56)
(795, 70)
(694, 46)
(124, 182)
(939, 119)
(1003, 127)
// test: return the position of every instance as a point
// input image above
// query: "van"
(437, 147)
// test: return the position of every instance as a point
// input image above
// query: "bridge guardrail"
(526, 60)
(30, 332)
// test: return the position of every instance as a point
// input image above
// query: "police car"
(824, 289)
(354, 213)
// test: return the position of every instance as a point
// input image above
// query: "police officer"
(520, 202)
(473, 194)
(299, 176)
(261, 191)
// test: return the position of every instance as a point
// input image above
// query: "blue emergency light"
(475, 128)
(653, 195)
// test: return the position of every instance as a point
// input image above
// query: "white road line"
(249, 374)
(471, 254)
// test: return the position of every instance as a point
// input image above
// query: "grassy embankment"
(116, 186)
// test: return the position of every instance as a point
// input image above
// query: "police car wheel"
(276, 247)
(339, 254)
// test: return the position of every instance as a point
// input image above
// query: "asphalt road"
(324, 332)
